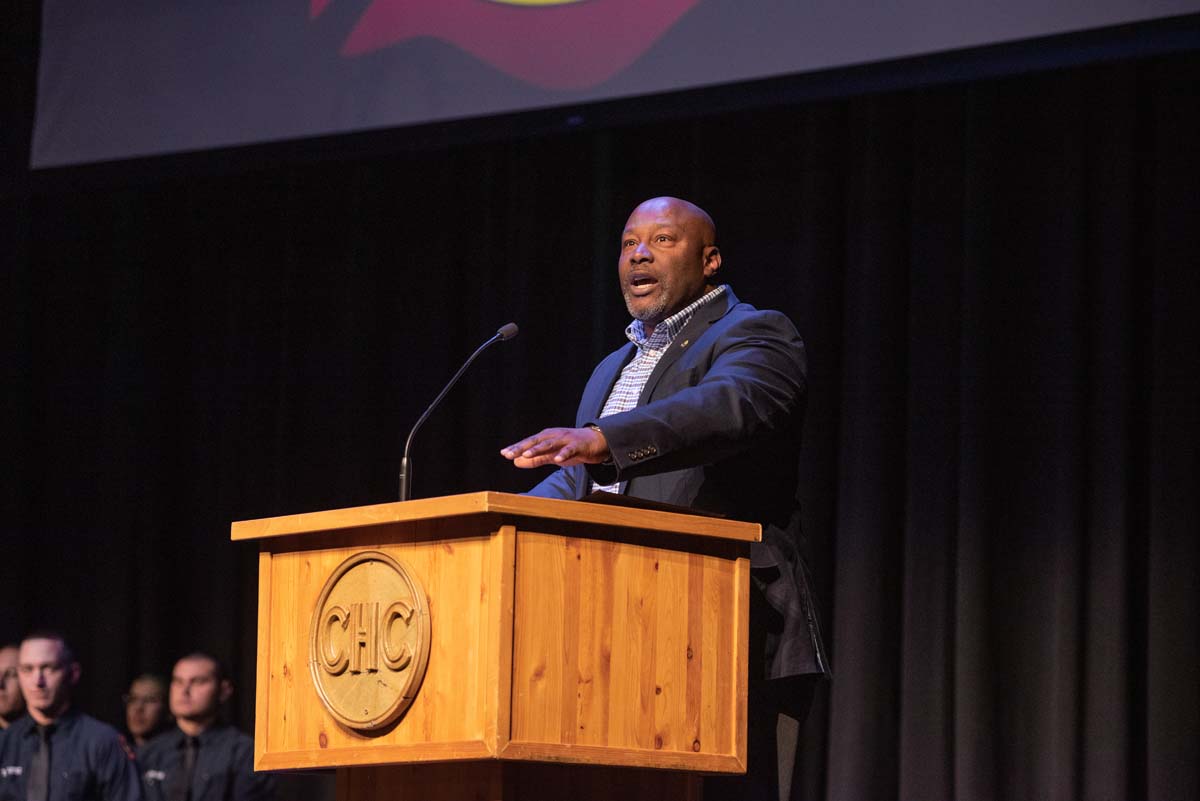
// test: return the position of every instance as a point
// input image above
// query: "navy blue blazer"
(717, 428)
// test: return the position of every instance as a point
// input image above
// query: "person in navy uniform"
(12, 703)
(146, 709)
(57, 753)
(201, 759)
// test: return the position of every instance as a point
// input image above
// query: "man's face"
(667, 258)
(196, 694)
(144, 707)
(46, 678)
(12, 704)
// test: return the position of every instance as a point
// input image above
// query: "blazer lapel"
(705, 316)
(596, 392)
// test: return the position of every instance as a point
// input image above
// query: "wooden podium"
(568, 649)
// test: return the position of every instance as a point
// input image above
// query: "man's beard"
(652, 312)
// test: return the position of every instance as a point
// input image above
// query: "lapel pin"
(684, 343)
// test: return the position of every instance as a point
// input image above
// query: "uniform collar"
(62, 724)
(204, 738)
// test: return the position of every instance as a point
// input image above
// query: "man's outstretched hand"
(559, 446)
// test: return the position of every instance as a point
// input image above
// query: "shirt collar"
(204, 737)
(666, 331)
(62, 723)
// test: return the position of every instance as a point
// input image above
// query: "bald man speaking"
(703, 408)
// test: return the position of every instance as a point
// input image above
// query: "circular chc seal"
(369, 641)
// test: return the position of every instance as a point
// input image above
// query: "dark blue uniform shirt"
(88, 761)
(224, 768)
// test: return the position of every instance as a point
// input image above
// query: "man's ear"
(226, 690)
(712, 261)
(74, 672)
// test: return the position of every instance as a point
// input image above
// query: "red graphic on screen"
(565, 46)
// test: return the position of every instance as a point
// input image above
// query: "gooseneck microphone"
(506, 332)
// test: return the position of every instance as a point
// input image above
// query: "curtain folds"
(997, 282)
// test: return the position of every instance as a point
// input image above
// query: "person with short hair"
(201, 758)
(703, 408)
(12, 703)
(146, 708)
(57, 753)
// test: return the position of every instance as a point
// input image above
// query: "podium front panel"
(467, 579)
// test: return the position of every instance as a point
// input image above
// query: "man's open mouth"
(641, 285)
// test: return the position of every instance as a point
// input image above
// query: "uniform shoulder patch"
(125, 747)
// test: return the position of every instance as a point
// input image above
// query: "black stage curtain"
(997, 283)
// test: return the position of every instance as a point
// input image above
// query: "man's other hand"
(563, 447)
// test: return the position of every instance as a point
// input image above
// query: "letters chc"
(370, 637)
(369, 641)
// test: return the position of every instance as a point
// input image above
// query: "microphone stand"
(507, 331)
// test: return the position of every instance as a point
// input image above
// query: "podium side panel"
(625, 653)
(262, 669)
(741, 656)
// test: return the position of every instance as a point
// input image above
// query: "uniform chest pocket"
(76, 785)
(12, 786)
(211, 785)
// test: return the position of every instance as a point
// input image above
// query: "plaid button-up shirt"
(650, 349)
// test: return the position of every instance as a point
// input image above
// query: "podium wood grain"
(561, 632)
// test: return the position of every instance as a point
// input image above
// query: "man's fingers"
(564, 447)
(540, 443)
(514, 450)
(518, 448)
(536, 461)
(541, 446)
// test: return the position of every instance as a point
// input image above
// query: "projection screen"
(134, 78)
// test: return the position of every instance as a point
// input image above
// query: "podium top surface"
(495, 503)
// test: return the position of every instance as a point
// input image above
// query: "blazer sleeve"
(562, 483)
(752, 389)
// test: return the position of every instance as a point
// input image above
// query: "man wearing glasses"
(145, 708)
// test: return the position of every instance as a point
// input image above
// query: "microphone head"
(507, 331)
